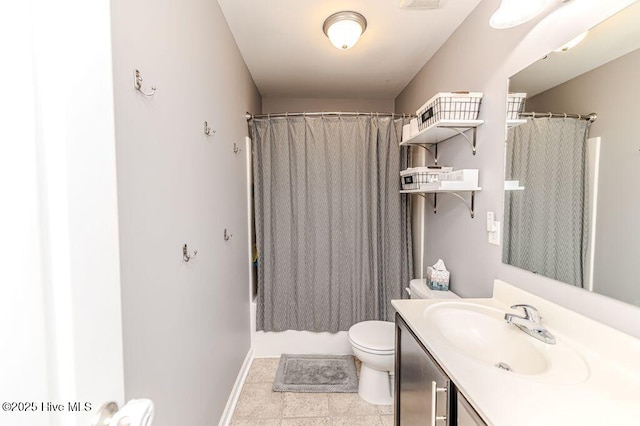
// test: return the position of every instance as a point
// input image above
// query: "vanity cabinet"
(424, 394)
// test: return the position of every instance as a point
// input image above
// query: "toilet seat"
(374, 337)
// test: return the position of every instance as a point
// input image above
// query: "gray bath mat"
(316, 373)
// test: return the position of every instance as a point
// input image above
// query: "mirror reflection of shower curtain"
(546, 227)
(331, 227)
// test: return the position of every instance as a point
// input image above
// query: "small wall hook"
(137, 84)
(185, 253)
(227, 235)
(236, 148)
(208, 130)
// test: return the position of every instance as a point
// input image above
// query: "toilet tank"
(418, 289)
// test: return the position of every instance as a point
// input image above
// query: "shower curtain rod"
(250, 116)
(591, 117)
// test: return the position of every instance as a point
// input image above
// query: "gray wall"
(185, 325)
(272, 105)
(477, 57)
(612, 92)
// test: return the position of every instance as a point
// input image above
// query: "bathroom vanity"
(423, 390)
(461, 363)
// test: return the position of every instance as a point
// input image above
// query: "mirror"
(572, 187)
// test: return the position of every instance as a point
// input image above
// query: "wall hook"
(236, 148)
(185, 253)
(208, 130)
(137, 84)
(227, 235)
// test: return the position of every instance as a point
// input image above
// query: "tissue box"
(437, 280)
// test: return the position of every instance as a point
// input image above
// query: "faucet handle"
(530, 313)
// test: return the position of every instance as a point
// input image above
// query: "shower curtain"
(546, 225)
(331, 229)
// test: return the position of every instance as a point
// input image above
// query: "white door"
(60, 319)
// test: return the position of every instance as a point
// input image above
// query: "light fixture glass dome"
(344, 29)
(515, 12)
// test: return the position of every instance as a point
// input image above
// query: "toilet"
(373, 343)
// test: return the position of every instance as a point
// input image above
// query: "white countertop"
(608, 395)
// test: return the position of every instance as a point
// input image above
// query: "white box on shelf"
(406, 132)
(468, 176)
(456, 184)
(413, 123)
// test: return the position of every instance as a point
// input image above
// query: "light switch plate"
(494, 236)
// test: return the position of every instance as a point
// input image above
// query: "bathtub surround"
(331, 228)
(185, 325)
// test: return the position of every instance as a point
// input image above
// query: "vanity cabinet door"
(421, 390)
(467, 416)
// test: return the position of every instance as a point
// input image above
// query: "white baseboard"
(225, 420)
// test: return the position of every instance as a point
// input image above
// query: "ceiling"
(288, 55)
(607, 41)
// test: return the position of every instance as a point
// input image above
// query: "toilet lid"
(378, 336)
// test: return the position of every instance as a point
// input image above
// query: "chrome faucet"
(530, 323)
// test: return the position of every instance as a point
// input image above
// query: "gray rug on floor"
(316, 373)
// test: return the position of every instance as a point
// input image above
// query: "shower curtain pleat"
(546, 224)
(332, 231)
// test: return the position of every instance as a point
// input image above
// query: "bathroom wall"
(478, 57)
(610, 91)
(272, 105)
(185, 325)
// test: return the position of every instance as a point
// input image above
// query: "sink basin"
(480, 333)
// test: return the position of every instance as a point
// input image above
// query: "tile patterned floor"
(259, 405)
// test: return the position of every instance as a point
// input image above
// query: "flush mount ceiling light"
(344, 28)
(515, 12)
(573, 43)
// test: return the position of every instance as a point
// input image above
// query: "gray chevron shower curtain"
(546, 224)
(332, 231)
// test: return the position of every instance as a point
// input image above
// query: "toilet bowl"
(373, 343)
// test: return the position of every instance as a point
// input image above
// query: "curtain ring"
(268, 116)
(579, 116)
(550, 115)
(565, 115)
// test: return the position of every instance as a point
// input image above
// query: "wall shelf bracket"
(434, 201)
(444, 130)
